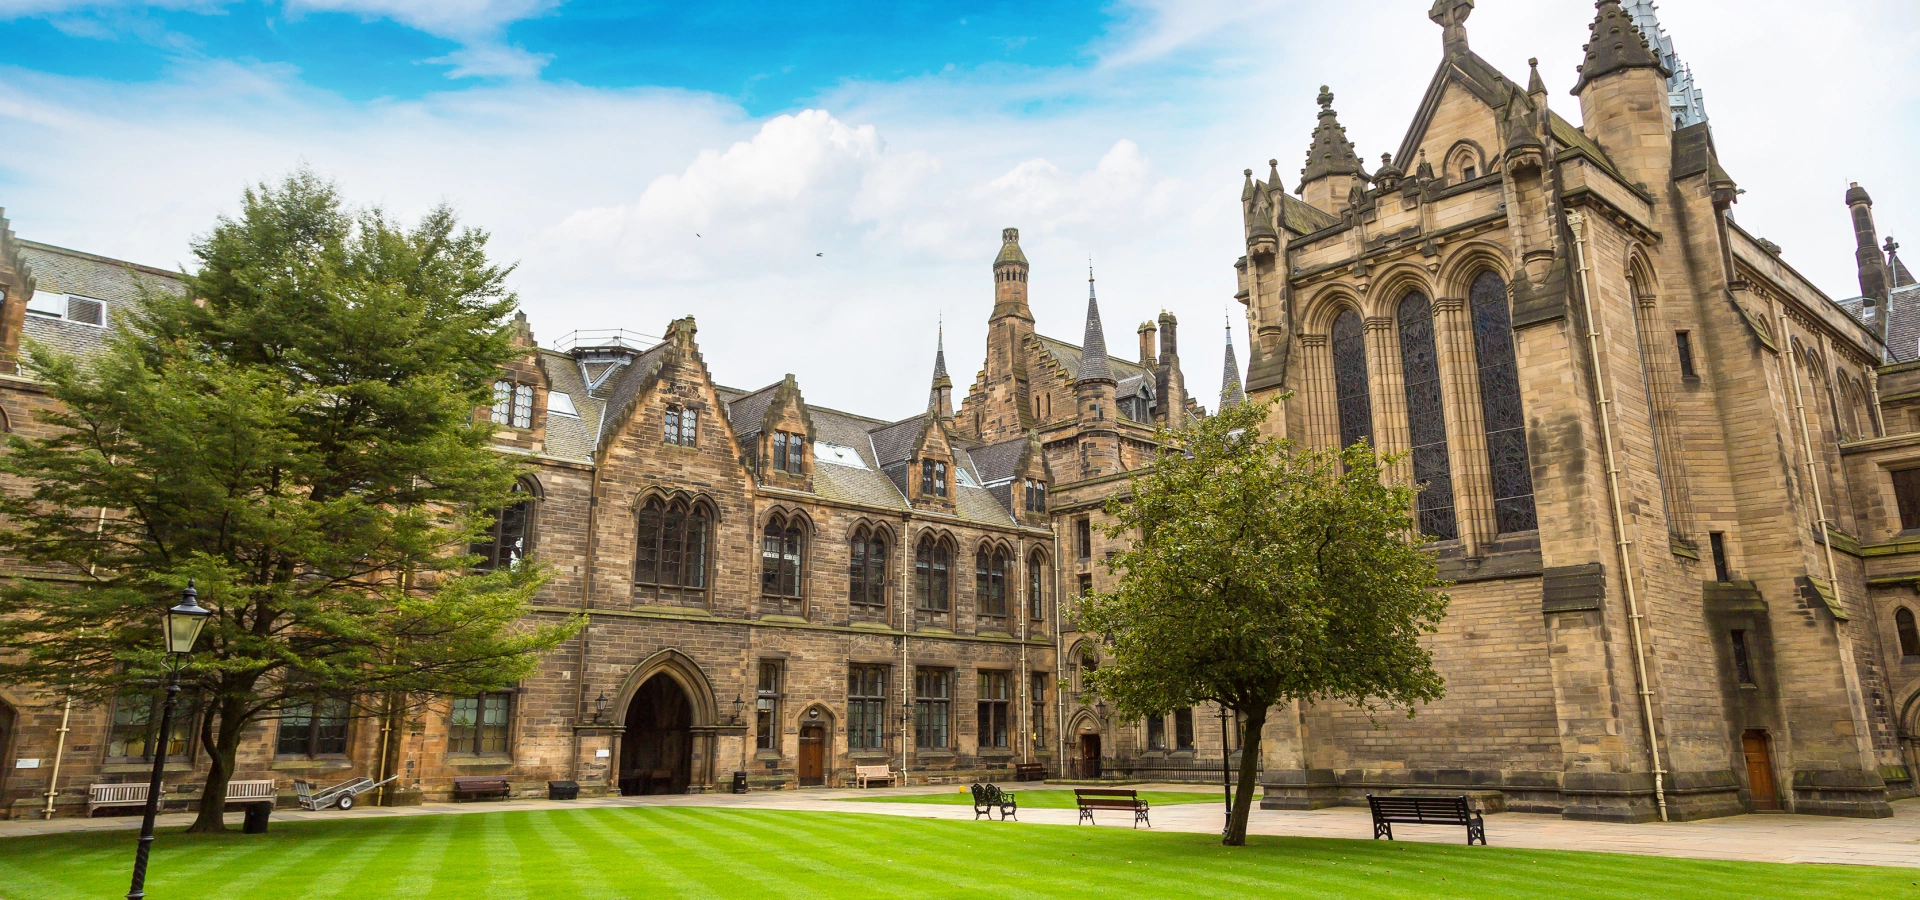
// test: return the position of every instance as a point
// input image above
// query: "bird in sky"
(819, 254)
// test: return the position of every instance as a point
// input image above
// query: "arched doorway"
(656, 753)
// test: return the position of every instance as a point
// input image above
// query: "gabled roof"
(628, 383)
(998, 462)
(1068, 356)
(747, 413)
(894, 443)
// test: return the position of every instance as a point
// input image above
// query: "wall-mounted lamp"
(600, 708)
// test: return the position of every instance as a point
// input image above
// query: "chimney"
(1147, 359)
(1169, 348)
(1873, 266)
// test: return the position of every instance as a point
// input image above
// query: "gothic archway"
(656, 752)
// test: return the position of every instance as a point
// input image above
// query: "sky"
(823, 185)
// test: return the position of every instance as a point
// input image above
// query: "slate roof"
(568, 437)
(626, 384)
(894, 443)
(997, 462)
(869, 486)
(1068, 355)
(117, 283)
(1903, 322)
(749, 412)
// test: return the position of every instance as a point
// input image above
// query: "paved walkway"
(1760, 838)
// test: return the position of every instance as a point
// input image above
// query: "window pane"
(1183, 729)
(330, 727)
(690, 428)
(670, 431)
(1350, 379)
(462, 726)
(502, 402)
(1426, 418)
(796, 447)
(647, 558)
(780, 450)
(296, 731)
(695, 570)
(1500, 406)
(523, 406)
(494, 722)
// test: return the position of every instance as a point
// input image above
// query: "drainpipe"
(1622, 544)
(59, 752)
(586, 628)
(906, 624)
(1026, 687)
(1059, 658)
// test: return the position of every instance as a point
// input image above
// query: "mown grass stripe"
(432, 838)
(629, 835)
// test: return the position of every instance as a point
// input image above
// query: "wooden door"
(813, 755)
(1760, 770)
(1089, 756)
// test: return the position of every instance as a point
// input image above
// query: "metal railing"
(593, 338)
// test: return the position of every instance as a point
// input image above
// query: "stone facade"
(1647, 467)
(907, 568)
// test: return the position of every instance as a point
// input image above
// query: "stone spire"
(1684, 100)
(1331, 153)
(1231, 394)
(940, 398)
(1615, 45)
(1093, 348)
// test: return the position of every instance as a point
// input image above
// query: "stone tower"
(1006, 412)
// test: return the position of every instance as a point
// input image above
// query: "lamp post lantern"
(181, 628)
(600, 708)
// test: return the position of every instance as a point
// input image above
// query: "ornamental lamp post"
(181, 628)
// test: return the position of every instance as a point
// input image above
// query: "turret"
(940, 398)
(1093, 390)
(999, 406)
(1623, 97)
(1874, 283)
(1685, 104)
(1332, 169)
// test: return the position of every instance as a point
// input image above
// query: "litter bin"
(739, 782)
(256, 821)
(563, 790)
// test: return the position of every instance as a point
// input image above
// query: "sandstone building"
(1677, 485)
(1652, 452)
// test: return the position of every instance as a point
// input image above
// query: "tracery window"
(671, 557)
(867, 568)
(782, 553)
(1426, 418)
(990, 585)
(506, 542)
(1506, 422)
(1350, 379)
(930, 582)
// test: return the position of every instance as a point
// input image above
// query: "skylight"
(561, 404)
(838, 455)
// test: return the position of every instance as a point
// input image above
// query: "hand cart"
(340, 795)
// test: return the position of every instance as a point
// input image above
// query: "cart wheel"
(346, 802)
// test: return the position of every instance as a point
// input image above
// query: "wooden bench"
(102, 796)
(476, 786)
(265, 791)
(989, 797)
(1389, 811)
(1090, 799)
(865, 775)
(1030, 771)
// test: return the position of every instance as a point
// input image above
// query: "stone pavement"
(1759, 838)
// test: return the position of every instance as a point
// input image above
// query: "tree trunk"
(1253, 723)
(222, 745)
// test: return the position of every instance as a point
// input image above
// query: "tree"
(296, 432)
(1260, 573)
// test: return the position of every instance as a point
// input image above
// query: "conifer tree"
(1261, 573)
(295, 432)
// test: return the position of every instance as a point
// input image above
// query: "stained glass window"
(1506, 422)
(1426, 418)
(1350, 379)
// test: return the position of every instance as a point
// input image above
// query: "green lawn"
(665, 852)
(1050, 798)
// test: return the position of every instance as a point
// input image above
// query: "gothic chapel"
(1650, 450)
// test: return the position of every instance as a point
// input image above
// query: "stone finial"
(1231, 393)
(1451, 16)
(1330, 153)
(1535, 84)
(1246, 192)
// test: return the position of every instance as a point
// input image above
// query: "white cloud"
(905, 185)
(492, 61)
(445, 18)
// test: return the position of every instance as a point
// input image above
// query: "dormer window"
(789, 452)
(682, 426)
(933, 478)
(1036, 496)
(512, 404)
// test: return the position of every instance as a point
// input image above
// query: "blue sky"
(847, 167)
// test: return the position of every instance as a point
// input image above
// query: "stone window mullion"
(1466, 429)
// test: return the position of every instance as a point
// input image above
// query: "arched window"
(1909, 635)
(1426, 417)
(672, 547)
(867, 568)
(930, 587)
(1506, 421)
(782, 548)
(1350, 379)
(1037, 586)
(508, 540)
(990, 583)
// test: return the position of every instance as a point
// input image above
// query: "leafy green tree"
(296, 432)
(1259, 573)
